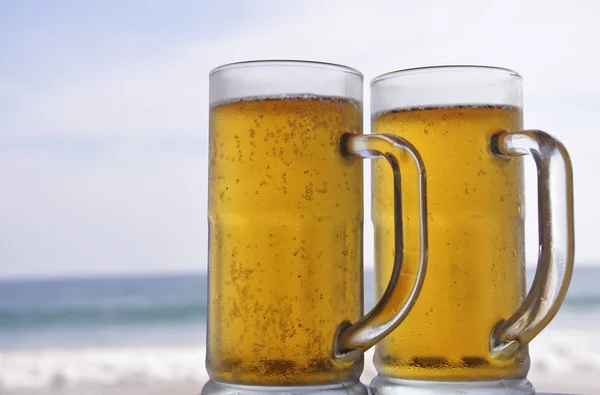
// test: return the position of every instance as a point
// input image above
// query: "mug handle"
(556, 238)
(352, 340)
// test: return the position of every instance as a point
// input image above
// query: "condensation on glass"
(468, 331)
(285, 215)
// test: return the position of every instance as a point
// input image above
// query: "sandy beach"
(545, 376)
(580, 384)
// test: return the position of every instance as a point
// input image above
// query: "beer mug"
(285, 217)
(468, 331)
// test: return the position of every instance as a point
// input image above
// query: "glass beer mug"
(285, 216)
(468, 331)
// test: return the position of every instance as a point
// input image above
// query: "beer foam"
(295, 96)
(447, 107)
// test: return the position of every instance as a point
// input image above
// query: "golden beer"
(285, 215)
(476, 243)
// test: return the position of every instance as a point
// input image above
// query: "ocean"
(116, 330)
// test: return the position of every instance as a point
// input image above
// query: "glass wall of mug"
(472, 321)
(285, 216)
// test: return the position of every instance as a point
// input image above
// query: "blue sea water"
(145, 330)
(115, 311)
(102, 311)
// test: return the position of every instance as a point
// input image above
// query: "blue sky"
(103, 109)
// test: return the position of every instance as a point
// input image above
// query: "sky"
(104, 109)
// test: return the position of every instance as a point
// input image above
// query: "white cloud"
(167, 93)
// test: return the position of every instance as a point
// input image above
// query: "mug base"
(344, 388)
(391, 386)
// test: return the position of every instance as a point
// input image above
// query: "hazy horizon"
(201, 271)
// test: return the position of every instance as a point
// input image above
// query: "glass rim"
(450, 67)
(288, 63)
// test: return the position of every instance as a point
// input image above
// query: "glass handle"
(352, 340)
(556, 238)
